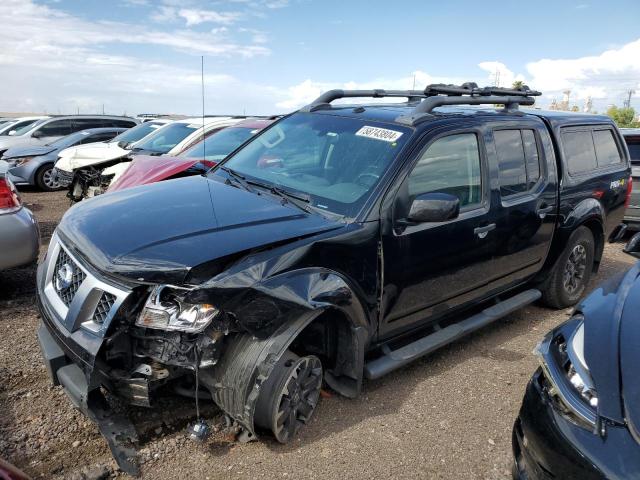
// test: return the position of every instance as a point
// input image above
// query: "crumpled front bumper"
(116, 428)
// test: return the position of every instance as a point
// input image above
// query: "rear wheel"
(45, 179)
(571, 273)
(289, 396)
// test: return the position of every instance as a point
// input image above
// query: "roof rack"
(437, 95)
(324, 100)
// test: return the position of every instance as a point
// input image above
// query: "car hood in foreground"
(612, 334)
(157, 233)
(27, 151)
(630, 357)
(90, 154)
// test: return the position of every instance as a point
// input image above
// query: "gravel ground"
(448, 415)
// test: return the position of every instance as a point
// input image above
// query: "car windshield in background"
(634, 151)
(136, 133)
(69, 140)
(167, 137)
(220, 144)
(336, 161)
(32, 124)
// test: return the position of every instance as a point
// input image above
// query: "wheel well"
(331, 338)
(598, 236)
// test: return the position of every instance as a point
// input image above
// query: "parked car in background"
(47, 130)
(193, 161)
(80, 156)
(16, 126)
(19, 234)
(170, 139)
(340, 243)
(33, 165)
(632, 215)
(580, 417)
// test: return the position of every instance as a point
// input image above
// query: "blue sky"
(271, 56)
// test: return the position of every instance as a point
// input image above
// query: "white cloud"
(604, 76)
(196, 17)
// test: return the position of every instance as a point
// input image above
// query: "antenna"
(204, 150)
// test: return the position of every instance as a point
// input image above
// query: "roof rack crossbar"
(510, 102)
(326, 98)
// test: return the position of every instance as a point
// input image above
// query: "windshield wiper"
(240, 179)
(298, 199)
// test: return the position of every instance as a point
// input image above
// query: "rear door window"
(518, 160)
(579, 151)
(607, 151)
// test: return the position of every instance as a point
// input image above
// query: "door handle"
(481, 232)
(542, 211)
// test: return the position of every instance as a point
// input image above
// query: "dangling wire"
(197, 367)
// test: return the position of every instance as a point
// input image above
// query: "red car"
(195, 160)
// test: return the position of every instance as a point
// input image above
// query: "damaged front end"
(88, 182)
(130, 341)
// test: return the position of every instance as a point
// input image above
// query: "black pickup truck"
(340, 243)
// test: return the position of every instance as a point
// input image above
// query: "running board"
(393, 359)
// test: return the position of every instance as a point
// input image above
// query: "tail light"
(629, 189)
(9, 198)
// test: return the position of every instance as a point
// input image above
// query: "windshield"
(69, 140)
(136, 133)
(336, 161)
(167, 137)
(21, 126)
(220, 144)
(634, 150)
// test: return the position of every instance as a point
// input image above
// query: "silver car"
(19, 234)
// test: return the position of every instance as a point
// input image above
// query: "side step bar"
(393, 359)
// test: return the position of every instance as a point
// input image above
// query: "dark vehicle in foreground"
(145, 169)
(340, 243)
(580, 418)
(19, 234)
(33, 165)
(632, 215)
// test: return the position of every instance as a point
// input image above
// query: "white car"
(46, 130)
(18, 125)
(80, 156)
(93, 177)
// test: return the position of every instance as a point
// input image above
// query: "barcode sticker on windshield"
(379, 133)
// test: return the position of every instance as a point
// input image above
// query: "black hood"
(630, 356)
(28, 151)
(159, 232)
(611, 336)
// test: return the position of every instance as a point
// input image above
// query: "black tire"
(289, 396)
(571, 274)
(44, 179)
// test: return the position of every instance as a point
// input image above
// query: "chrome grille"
(67, 292)
(104, 307)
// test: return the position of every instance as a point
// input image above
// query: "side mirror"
(433, 207)
(123, 144)
(36, 134)
(633, 247)
(11, 132)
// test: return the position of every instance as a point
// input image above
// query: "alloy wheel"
(574, 269)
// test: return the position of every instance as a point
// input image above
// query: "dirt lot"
(446, 416)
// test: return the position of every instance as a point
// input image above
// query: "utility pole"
(496, 78)
(414, 82)
(627, 102)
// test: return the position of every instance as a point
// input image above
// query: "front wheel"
(289, 396)
(570, 275)
(45, 180)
